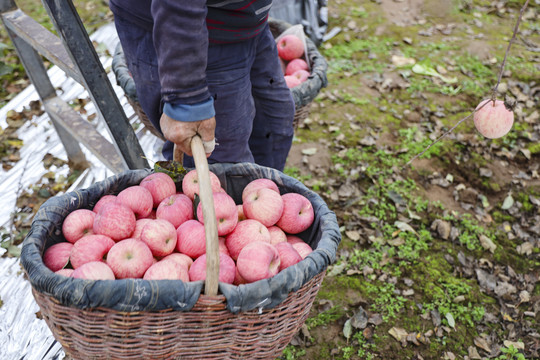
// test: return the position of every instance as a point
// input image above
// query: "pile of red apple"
(290, 50)
(151, 231)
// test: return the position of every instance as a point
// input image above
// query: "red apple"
(160, 186)
(176, 209)
(90, 248)
(264, 205)
(181, 259)
(130, 258)
(299, 245)
(94, 270)
(241, 215)
(226, 213)
(138, 199)
(301, 75)
(258, 260)
(191, 239)
(238, 279)
(297, 214)
(167, 270)
(296, 64)
(292, 81)
(259, 184)
(105, 199)
(78, 224)
(223, 247)
(56, 256)
(493, 120)
(227, 269)
(245, 232)
(288, 255)
(64, 272)
(190, 183)
(160, 236)
(115, 220)
(290, 47)
(276, 235)
(139, 226)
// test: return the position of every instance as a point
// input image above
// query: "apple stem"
(494, 91)
(516, 27)
(447, 132)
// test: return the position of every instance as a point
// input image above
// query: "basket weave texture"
(208, 331)
(303, 94)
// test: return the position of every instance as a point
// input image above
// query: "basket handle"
(209, 214)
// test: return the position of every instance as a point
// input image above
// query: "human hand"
(181, 132)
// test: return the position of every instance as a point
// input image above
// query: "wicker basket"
(303, 94)
(208, 330)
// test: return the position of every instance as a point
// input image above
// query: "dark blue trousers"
(254, 107)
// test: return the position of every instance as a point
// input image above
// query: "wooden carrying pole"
(209, 214)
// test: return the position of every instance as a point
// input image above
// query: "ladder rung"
(85, 133)
(41, 39)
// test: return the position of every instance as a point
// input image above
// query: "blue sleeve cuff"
(194, 112)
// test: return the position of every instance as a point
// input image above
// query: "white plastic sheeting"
(22, 334)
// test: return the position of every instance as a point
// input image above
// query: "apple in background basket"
(77, 224)
(227, 269)
(115, 220)
(160, 186)
(129, 258)
(226, 213)
(276, 235)
(264, 205)
(56, 256)
(296, 64)
(297, 214)
(90, 248)
(94, 270)
(181, 259)
(288, 255)
(292, 81)
(245, 232)
(258, 260)
(299, 245)
(301, 75)
(105, 199)
(290, 47)
(167, 270)
(190, 183)
(259, 184)
(176, 209)
(138, 199)
(191, 239)
(64, 272)
(160, 236)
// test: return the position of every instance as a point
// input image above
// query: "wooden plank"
(37, 73)
(41, 39)
(85, 133)
(75, 38)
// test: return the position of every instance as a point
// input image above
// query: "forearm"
(181, 42)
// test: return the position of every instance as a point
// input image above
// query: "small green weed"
(292, 353)
(325, 317)
(510, 353)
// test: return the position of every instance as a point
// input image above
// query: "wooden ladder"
(74, 53)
